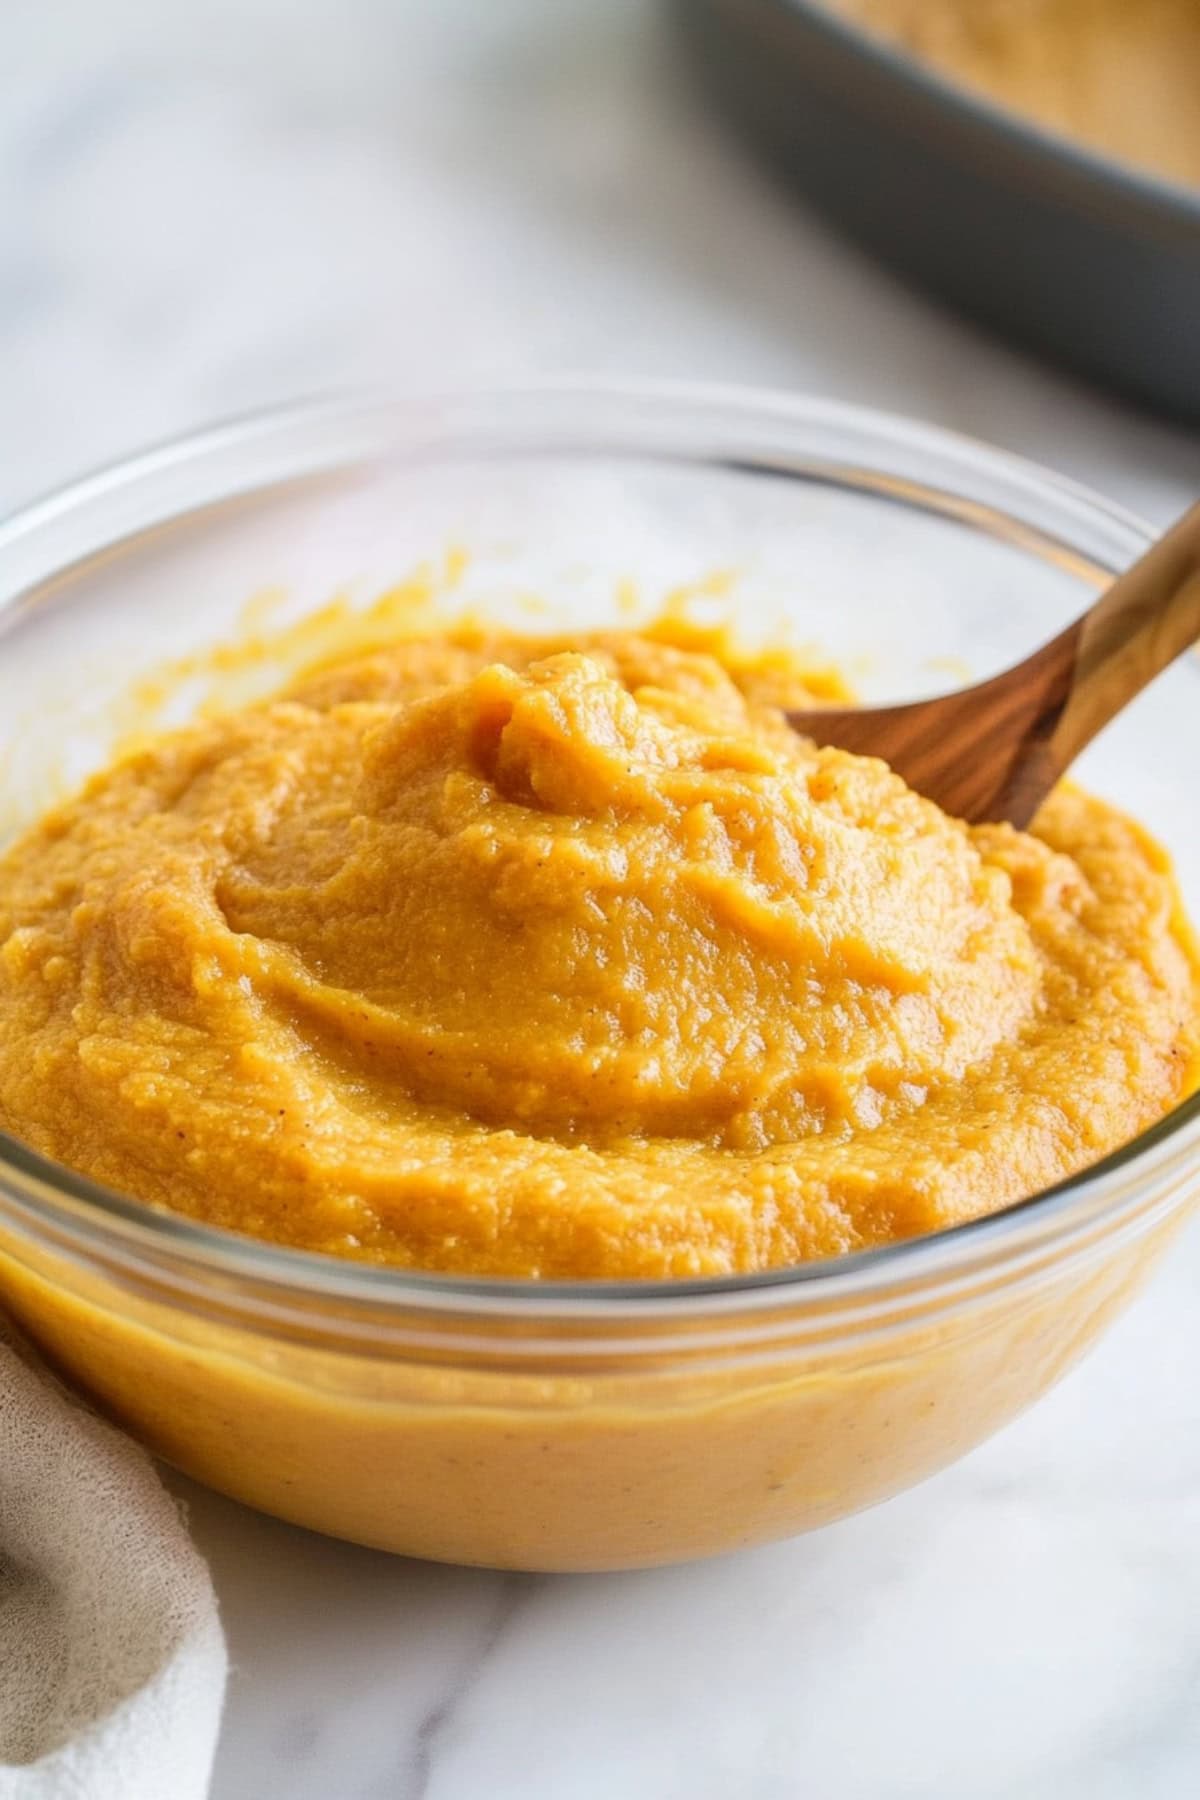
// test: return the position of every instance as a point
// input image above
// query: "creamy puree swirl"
(567, 958)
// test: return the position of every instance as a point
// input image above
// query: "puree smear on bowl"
(567, 958)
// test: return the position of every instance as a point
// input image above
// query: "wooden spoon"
(994, 751)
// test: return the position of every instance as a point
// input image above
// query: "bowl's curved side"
(126, 536)
(471, 1459)
(568, 1427)
(1096, 266)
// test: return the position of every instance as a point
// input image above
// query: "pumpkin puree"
(567, 958)
(1117, 76)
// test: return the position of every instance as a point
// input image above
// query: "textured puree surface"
(567, 958)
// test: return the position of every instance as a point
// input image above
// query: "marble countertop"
(204, 208)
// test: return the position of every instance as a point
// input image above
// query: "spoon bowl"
(993, 751)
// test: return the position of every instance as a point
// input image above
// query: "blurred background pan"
(1085, 259)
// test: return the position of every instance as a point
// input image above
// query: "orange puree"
(1119, 76)
(528, 957)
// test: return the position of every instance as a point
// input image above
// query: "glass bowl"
(568, 1426)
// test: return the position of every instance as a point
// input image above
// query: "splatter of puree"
(567, 958)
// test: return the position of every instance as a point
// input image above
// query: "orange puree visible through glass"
(567, 958)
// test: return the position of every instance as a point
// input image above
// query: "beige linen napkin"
(112, 1663)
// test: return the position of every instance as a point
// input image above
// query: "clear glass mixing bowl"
(570, 1426)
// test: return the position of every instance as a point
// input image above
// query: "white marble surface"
(204, 207)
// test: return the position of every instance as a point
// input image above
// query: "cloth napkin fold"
(112, 1662)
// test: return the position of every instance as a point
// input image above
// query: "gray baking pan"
(1089, 261)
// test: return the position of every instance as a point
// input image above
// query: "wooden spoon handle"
(1148, 617)
(994, 751)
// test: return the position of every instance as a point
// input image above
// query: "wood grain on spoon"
(995, 750)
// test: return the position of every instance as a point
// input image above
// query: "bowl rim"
(87, 1215)
(1171, 200)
